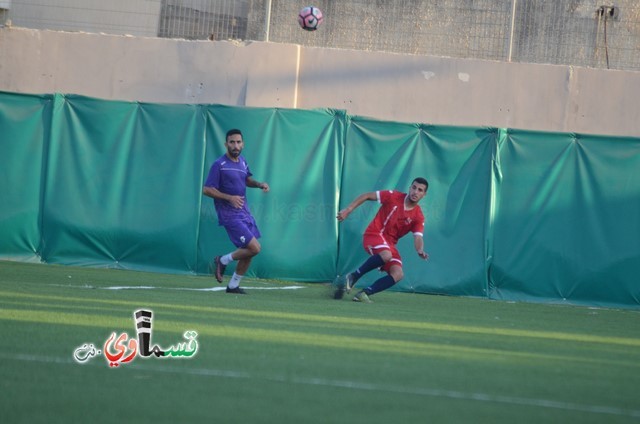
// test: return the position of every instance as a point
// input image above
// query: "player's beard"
(234, 153)
(411, 200)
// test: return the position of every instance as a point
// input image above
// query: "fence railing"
(576, 32)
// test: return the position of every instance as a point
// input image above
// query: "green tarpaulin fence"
(511, 214)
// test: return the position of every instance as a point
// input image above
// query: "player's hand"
(236, 201)
(343, 214)
(265, 187)
(424, 255)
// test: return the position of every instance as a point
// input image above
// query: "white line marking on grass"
(212, 289)
(481, 397)
(356, 385)
(37, 358)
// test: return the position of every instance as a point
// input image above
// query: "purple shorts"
(242, 231)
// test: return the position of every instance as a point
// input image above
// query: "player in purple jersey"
(227, 184)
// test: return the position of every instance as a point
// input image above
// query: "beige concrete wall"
(147, 69)
(396, 87)
(453, 91)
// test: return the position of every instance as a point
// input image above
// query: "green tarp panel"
(120, 186)
(511, 214)
(299, 153)
(24, 130)
(457, 163)
(567, 219)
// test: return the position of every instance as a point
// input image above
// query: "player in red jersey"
(398, 215)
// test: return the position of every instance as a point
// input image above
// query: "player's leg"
(244, 256)
(239, 233)
(374, 261)
(395, 274)
(376, 246)
(393, 267)
(346, 283)
(380, 252)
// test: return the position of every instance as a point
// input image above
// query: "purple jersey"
(229, 177)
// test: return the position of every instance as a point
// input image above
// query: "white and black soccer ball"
(310, 18)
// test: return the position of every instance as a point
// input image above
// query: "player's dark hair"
(233, 131)
(421, 180)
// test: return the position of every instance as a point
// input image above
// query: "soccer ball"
(310, 18)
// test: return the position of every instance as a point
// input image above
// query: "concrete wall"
(406, 88)
(585, 33)
(147, 69)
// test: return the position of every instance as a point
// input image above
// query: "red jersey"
(393, 220)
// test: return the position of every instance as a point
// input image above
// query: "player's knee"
(397, 274)
(254, 247)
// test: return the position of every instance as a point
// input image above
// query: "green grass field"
(291, 355)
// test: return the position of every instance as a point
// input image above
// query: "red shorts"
(376, 243)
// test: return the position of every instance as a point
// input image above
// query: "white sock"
(235, 281)
(226, 259)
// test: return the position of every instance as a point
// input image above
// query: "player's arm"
(236, 201)
(255, 184)
(418, 243)
(209, 189)
(344, 213)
